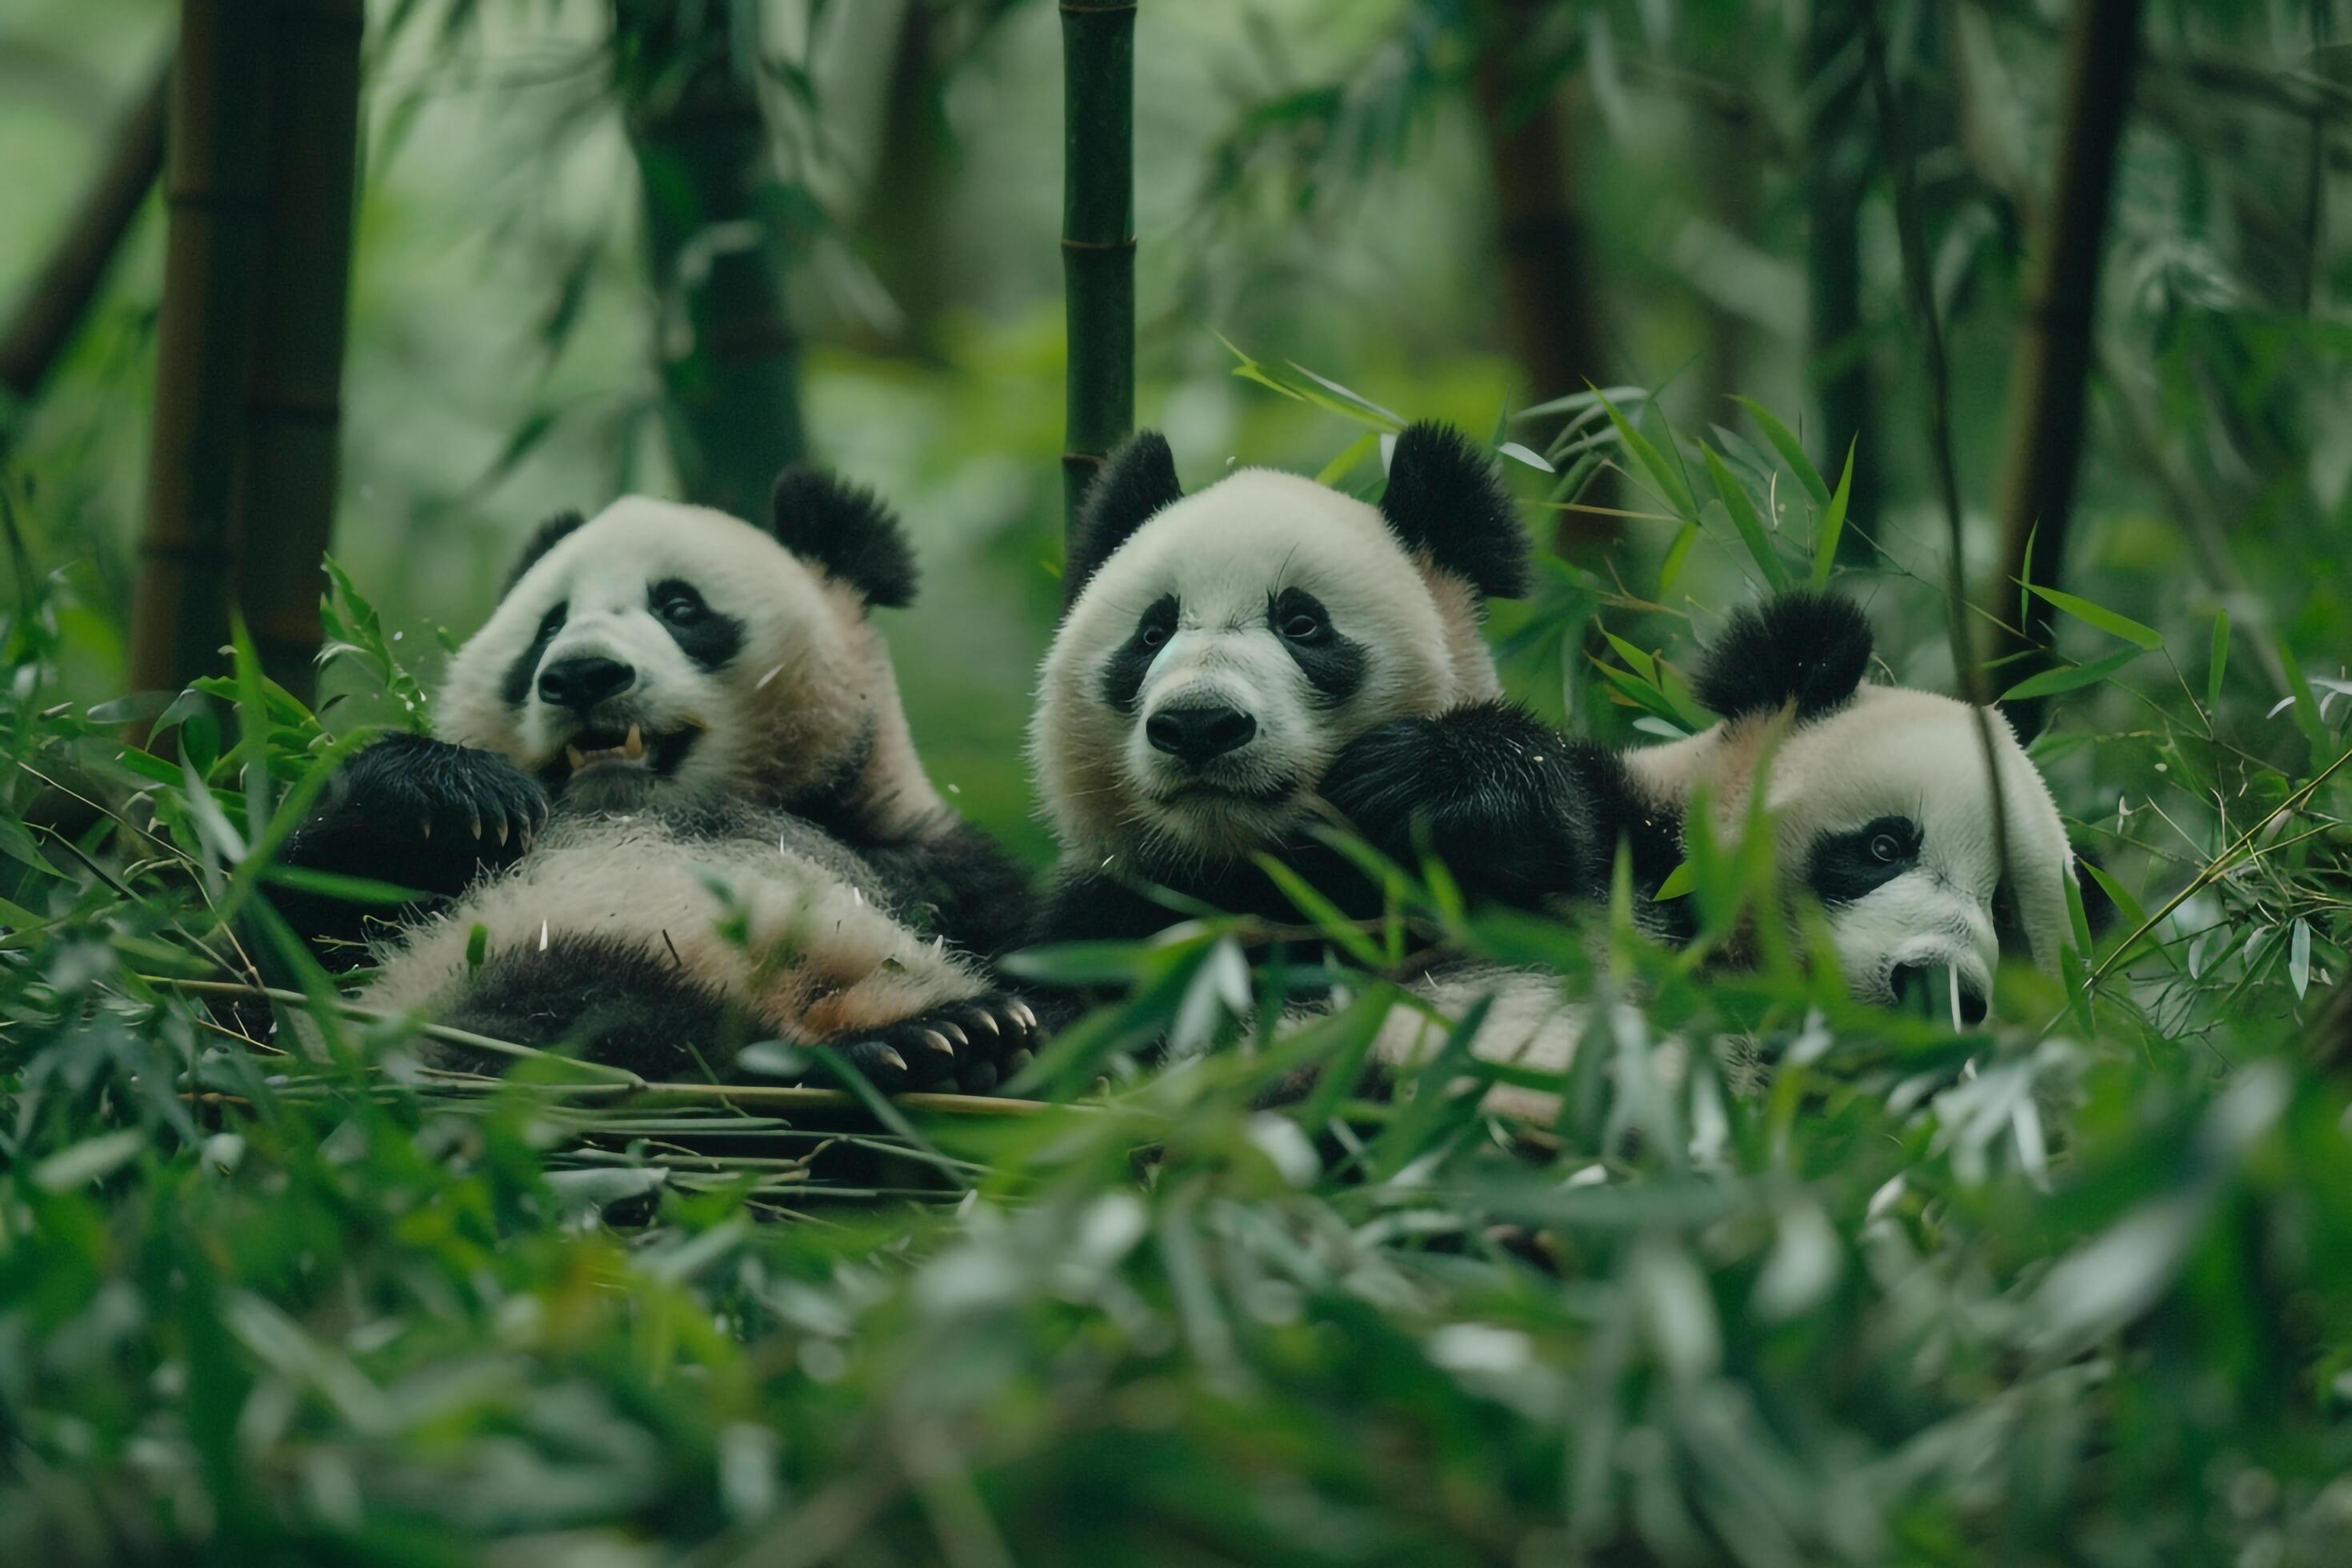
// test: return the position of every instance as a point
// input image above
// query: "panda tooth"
(572, 753)
(634, 746)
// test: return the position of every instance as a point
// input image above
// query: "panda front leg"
(822, 964)
(1505, 801)
(412, 812)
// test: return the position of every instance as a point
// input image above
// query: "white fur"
(818, 958)
(1222, 551)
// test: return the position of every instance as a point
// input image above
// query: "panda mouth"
(608, 751)
(1203, 790)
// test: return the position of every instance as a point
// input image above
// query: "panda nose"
(582, 682)
(1193, 735)
(1925, 988)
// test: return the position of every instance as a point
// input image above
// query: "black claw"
(953, 1032)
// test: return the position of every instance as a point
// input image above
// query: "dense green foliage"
(2073, 1287)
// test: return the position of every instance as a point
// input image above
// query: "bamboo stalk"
(55, 301)
(2050, 370)
(1097, 235)
(294, 411)
(1552, 315)
(716, 245)
(216, 177)
(1837, 352)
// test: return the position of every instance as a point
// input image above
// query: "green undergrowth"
(2077, 1287)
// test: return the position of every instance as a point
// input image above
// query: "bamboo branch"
(216, 178)
(2050, 367)
(61, 293)
(294, 411)
(1097, 235)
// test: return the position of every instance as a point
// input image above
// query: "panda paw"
(969, 1047)
(422, 813)
(1393, 775)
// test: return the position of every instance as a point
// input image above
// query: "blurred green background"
(1317, 182)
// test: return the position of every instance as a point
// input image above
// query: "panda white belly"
(766, 929)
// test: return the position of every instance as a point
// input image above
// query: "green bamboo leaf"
(2307, 707)
(2099, 615)
(1325, 915)
(2220, 661)
(1745, 519)
(1678, 884)
(1354, 452)
(2051, 682)
(1640, 663)
(1831, 523)
(2298, 957)
(2128, 907)
(1653, 463)
(1671, 569)
(1792, 450)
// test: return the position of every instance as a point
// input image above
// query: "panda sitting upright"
(1236, 665)
(674, 807)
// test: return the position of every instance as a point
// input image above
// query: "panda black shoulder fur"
(674, 783)
(1236, 665)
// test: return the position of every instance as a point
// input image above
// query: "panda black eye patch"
(1333, 664)
(1850, 866)
(516, 685)
(1123, 672)
(705, 636)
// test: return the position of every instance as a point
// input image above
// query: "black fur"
(415, 813)
(514, 686)
(1123, 672)
(543, 538)
(848, 529)
(1518, 813)
(1801, 647)
(604, 1000)
(1842, 868)
(704, 634)
(1333, 663)
(1139, 480)
(1443, 496)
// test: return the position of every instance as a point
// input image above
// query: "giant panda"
(672, 806)
(1236, 665)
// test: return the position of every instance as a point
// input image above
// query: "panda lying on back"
(1232, 662)
(675, 787)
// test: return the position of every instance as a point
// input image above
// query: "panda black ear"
(1801, 647)
(1444, 498)
(543, 538)
(848, 529)
(1139, 480)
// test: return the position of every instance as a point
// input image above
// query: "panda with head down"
(673, 807)
(1236, 666)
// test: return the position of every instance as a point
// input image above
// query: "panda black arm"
(977, 896)
(1517, 812)
(416, 813)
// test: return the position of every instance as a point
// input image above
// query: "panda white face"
(668, 649)
(1885, 817)
(1211, 668)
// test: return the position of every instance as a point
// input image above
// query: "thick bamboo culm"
(1097, 235)
(59, 294)
(216, 176)
(294, 411)
(2050, 370)
(729, 356)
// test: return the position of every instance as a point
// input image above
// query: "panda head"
(658, 651)
(1217, 649)
(1883, 802)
